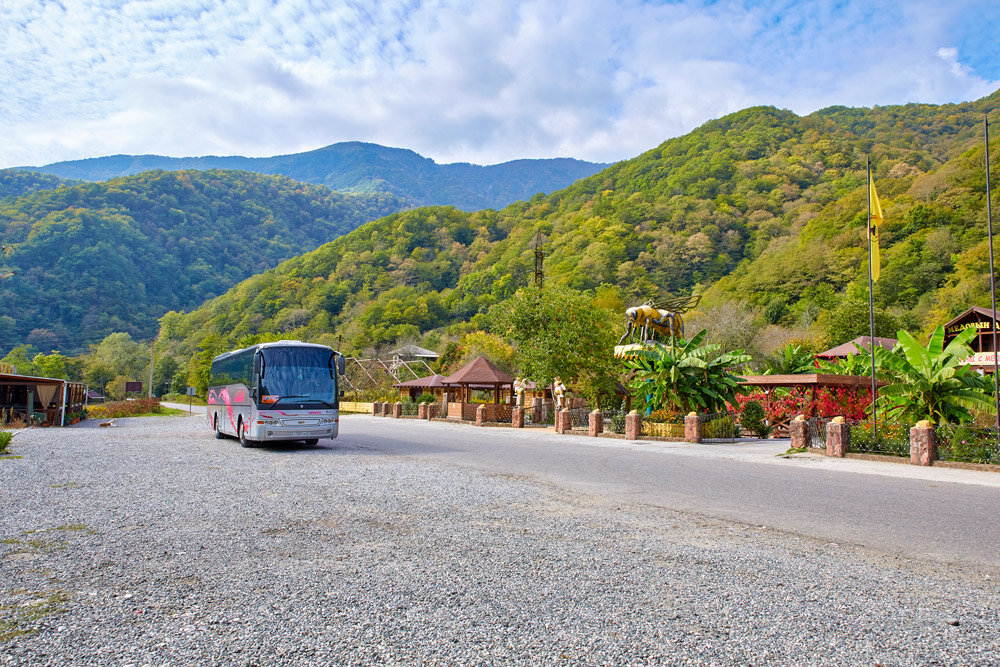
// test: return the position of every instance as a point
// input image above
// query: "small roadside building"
(983, 320)
(49, 401)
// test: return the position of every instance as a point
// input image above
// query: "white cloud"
(480, 82)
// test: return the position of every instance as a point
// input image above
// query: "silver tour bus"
(272, 392)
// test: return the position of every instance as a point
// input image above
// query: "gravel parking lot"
(152, 543)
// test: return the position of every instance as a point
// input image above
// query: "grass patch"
(19, 617)
(5, 438)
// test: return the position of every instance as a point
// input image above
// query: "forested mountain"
(769, 203)
(101, 257)
(16, 183)
(363, 168)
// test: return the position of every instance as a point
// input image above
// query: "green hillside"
(761, 207)
(17, 183)
(115, 256)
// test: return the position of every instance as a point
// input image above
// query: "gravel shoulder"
(151, 542)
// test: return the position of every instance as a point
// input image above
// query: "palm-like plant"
(791, 360)
(932, 383)
(854, 364)
(685, 374)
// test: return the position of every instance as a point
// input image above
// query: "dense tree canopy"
(101, 257)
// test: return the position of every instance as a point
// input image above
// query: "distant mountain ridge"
(363, 168)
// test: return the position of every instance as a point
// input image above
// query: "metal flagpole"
(871, 297)
(993, 296)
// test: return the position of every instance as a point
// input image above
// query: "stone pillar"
(517, 417)
(798, 432)
(692, 427)
(633, 425)
(377, 408)
(397, 410)
(557, 420)
(422, 411)
(481, 415)
(838, 437)
(596, 423)
(536, 410)
(923, 444)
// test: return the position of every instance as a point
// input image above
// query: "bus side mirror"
(340, 364)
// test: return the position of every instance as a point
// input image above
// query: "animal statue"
(663, 318)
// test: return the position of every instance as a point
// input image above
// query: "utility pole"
(539, 260)
(152, 361)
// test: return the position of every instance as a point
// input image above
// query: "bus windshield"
(298, 375)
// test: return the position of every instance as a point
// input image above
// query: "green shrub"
(140, 406)
(426, 398)
(752, 419)
(5, 437)
(665, 416)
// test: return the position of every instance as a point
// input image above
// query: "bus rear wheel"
(219, 435)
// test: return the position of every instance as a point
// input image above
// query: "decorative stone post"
(692, 427)
(633, 425)
(558, 421)
(798, 432)
(422, 411)
(517, 417)
(481, 415)
(377, 409)
(595, 423)
(838, 437)
(923, 444)
(397, 410)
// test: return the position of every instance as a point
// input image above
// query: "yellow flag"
(874, 220)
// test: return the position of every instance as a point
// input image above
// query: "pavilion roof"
(479, 371)
(856, 345)
(424, 382)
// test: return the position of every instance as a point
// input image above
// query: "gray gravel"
(152, 543)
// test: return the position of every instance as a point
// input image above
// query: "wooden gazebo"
(480, 374)
(811, 381)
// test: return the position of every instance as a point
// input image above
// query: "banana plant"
(686, 375)
(932, 382)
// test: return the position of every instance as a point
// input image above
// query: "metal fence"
(817, 431)
(968, 444)
(720, 427)
(579, 418)
(890, 437)
(614, 421)
(540, 415)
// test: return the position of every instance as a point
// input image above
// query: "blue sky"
(481, 82)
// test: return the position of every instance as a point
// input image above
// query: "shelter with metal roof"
(41, 400)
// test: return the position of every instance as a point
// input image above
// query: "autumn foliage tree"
(558, 331)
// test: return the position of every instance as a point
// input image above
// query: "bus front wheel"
(244, 441)
(218, 434)
(312, 442)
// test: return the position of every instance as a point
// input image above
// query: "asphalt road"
(938, 515)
